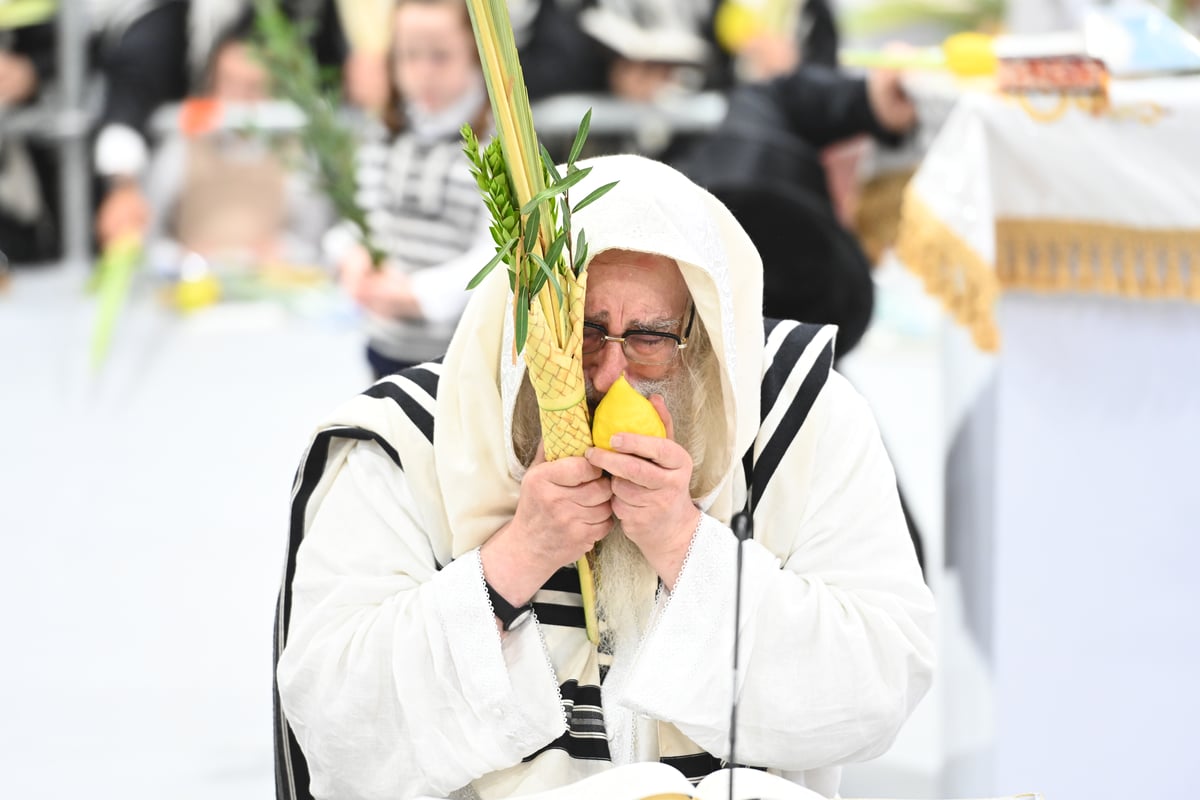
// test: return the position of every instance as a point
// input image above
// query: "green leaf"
(548, 162)
(118, 263)
(557, 189)
(580, 137)
(580, 253)
(496, 259)
(556, 248)
(594, 196)
(549, 273)
(522, 321)
(531, 227)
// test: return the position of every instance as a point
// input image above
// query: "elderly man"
(430, 623)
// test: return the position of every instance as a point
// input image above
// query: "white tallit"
(393, 677)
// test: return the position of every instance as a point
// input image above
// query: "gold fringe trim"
(1051, 256)
(1066, 256)
(877, 219)
(951, 269)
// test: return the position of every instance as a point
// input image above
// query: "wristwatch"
(510, 616)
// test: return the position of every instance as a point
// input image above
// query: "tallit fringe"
(1050, 256)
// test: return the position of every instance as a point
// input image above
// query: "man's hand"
(651, 495)
(124, 211)
(563, 510)
(18, 79)
(893, 108)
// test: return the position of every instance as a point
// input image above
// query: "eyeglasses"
(640, 347)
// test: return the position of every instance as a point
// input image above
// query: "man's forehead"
(634, 258)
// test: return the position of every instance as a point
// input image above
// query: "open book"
(663, 782)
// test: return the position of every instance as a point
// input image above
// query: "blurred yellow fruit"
(735, 25)
(624, 410)
(197, 292)
(970, 54)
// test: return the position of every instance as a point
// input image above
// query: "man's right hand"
(565, 507)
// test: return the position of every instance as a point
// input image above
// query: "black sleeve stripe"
(789, 426)
(311, 471)
(768, 326)
(291, 770)
(409, 405)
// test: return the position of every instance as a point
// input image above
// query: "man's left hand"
(651, 495)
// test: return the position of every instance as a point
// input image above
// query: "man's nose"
(606, 366)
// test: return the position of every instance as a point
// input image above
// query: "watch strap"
(505, 611)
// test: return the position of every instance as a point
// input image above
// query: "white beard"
(626, 586)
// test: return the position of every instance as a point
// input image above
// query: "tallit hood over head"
(653, 209)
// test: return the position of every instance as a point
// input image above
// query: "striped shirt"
(425, 212)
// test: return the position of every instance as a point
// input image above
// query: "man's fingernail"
(617, 440)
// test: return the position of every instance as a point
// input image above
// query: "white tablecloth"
(1069, 245)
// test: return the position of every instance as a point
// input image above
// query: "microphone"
(743, 528)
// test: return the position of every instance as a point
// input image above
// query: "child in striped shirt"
(415, 185)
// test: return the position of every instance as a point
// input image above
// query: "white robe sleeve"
(394, 677)
(835, 645)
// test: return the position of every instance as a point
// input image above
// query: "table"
(1065, 243)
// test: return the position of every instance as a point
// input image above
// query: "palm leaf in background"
(883, 16)
(296, 77)
(112, 279)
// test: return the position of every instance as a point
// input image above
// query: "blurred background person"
(154, 52)
(557, 57)
(28, 169)
(422, 205)
(655, 47)
(764, 162)
(227, 195)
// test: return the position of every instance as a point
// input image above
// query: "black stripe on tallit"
(695, 767)
(560, 615)
(408, 404)
(291, 770)
(768, 460)
(575, 741)
(699, 766)
(588, 749)
(790, 350)
(566, 579)
(424, 377)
